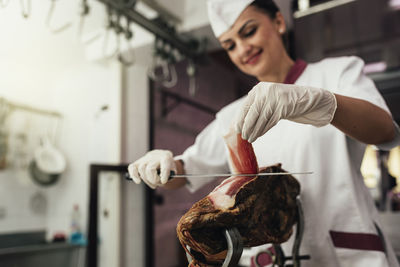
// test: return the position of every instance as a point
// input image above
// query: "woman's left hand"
(267, 103)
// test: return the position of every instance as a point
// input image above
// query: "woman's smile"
(253, 59)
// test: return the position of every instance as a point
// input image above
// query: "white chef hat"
(223, 13)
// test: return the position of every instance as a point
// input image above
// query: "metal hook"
(25, 11)
(169, 69)
(235, 247)
(125, 61)
(234, 251)
(53, 129)
(151, 72)
(49, 17)
(164, 58)
(91, 37)
(85, 9)
(105, 45)
(299, 233)
(117, 24)
(110, 26)
(168, 76)
(127, 31)
(128, 36)
(173, 76)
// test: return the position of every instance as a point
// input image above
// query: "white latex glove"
(147, 166)
(267, 103)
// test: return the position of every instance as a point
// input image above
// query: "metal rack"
(13, 106)
(279, 259)
(189, 48)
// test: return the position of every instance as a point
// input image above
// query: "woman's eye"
(250, 32)
(230, 47)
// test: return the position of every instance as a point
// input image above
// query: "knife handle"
(171, 173)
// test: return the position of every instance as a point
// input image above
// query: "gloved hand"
(267, 103)
(146, 168)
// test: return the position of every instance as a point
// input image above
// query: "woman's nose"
(244, 49)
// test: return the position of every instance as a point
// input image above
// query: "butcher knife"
(173, 175)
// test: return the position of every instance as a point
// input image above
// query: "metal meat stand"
(235, 247)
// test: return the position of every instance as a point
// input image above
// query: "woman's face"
(254, 42)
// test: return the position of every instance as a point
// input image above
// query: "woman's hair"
(267, 6)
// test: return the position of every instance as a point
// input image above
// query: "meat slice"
(242, 160)
(242, 157)
(262, 208)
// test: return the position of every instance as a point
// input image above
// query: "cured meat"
(262, 208)
(242, 160)
(242, 157)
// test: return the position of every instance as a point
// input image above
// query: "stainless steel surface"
(235, 247)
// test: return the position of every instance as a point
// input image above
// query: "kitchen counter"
(38, 248)
(31, 249)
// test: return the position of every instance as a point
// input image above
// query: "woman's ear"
(280, 23)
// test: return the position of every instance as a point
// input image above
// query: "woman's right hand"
(153, 168)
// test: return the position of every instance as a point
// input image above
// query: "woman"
(309, 117)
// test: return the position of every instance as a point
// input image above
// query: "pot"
(49, 159)
(47, 165)
(41, 177)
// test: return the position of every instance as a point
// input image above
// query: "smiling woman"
(308, 116)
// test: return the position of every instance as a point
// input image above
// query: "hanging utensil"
(49, 18)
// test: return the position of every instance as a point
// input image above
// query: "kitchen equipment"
(41, 177)
(48, 164)
(49, 159)
(235, 248)
(277, 256)
(173, 175)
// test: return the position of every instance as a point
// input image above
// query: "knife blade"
(172, 175)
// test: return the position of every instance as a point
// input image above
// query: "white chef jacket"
(335, 201)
